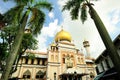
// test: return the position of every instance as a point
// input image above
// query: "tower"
(87, 46)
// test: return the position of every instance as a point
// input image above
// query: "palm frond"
(14, 19)
(83, 16)
(21, 2)
(68, 5)
(75, 11)
(29, 41)
(74, 7)
(36, 21)
(43, 4)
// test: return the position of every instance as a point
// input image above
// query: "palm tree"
(26, 13)
(75, 6)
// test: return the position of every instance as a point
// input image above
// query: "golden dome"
(53, 44)
(63, 35)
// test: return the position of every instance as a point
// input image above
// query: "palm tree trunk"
(17, 61)
(15, 48)
(106, 38)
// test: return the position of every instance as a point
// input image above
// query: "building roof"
(37, 53)
(89, 60)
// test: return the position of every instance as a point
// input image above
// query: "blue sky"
(108, 10)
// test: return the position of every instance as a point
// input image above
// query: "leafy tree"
(8, 34)
(75, 6)
(26, 13)
(4, 46)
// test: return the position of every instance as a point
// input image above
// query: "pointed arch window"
(40, 74)
(27, 74)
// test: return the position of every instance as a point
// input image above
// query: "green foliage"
(74, 12)
(28, 42)
(25, 2)
(37, 19)
(43, 4)
(75, 6)
(3, 51)
(83, 13)
(30, 55)
(9, 34)
(69, 5)
(16, 18)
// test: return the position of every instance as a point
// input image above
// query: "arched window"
(40, 74)
(52, 58)
(82, 61)
(27, 74)
(56, 58)
(63, 59)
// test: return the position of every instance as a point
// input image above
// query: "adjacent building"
(104, 65)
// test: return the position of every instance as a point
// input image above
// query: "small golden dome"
(53, 44)
(63, 35)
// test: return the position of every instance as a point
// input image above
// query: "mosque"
(62, 61)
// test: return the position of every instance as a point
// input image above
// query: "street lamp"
(54, 75)
(75, 76)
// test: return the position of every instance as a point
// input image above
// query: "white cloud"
(50, 30)
(46, 32)
(41, 43)
(51, 14)
(116, 17)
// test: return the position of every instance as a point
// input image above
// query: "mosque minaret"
(87, 48)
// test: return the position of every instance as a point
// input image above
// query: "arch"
(40, 74)
(63, 55)
(27, 74)
(82, 61)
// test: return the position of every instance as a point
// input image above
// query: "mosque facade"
(62, 61)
